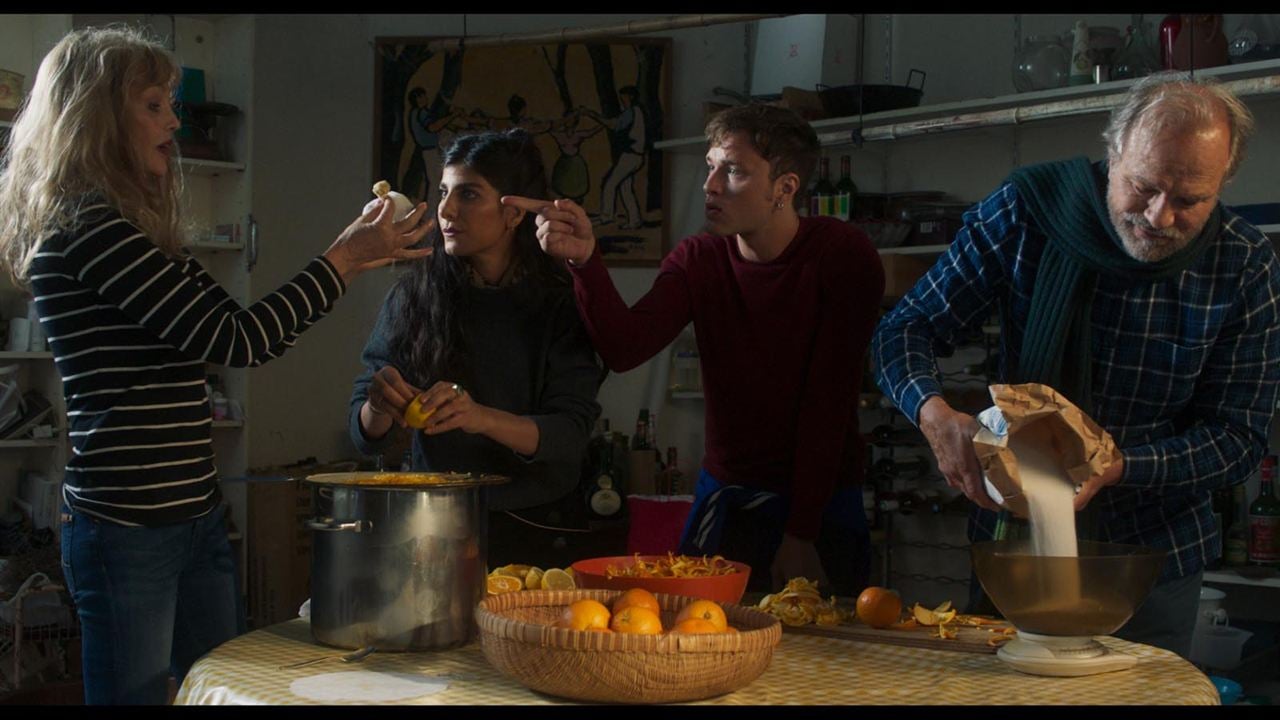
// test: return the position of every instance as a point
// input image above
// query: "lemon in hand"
(414, 416)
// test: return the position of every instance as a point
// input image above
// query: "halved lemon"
(557, 579)
(533, 578)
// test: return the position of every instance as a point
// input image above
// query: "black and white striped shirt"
(131, 331)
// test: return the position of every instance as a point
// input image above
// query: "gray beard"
(1142, 250)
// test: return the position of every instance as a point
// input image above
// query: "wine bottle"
(1264, 519)
(1236, 553)
(846, 191)
(640, 441)
(890, 436)
(887, 468)
(824, 192)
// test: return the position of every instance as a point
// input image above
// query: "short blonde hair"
(70, 141)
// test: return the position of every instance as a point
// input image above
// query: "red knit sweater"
(782, 345)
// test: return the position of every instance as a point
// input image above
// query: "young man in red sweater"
(783, 308)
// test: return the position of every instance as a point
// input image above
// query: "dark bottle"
(846, 191)
(1236, 549)
(824, 192)
(675, 478)
(890, 436)
(887, 468)
(640, 441)
(603, 491)
(1264, 519)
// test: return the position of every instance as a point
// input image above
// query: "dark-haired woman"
(487, 333)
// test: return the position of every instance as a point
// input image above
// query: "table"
(805, 670)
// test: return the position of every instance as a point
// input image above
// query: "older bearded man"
(1126, 286)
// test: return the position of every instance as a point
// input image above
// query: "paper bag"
(1053, 423)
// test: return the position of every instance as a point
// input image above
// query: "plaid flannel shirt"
(1184, 375)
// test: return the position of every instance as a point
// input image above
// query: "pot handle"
(331, 525)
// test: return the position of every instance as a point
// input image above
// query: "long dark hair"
(427, 340)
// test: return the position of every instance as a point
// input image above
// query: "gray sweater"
(530, 356)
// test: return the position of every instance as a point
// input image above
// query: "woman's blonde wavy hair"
(70, 141)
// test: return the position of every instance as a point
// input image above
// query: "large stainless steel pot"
(399, 559)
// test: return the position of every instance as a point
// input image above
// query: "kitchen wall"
(312, 156)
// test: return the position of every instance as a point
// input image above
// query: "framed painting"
(595, 110)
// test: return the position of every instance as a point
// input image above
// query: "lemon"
(498, 584)
(557, 579)
(414, 417)
(533, 578)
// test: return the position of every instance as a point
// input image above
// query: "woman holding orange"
(485, 336)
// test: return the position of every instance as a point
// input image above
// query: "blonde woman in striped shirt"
(90, 219)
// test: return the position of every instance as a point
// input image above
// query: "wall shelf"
(915, 250)
(952, 116)
(42, 355)
(215, 246)
(41, 443)
(1231, 577)
(1270, 229)
(195, 166)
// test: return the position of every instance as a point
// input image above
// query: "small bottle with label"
(1264, 519)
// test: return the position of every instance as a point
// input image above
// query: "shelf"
(228, 423)
(215, 246)
(44, 355)
(1270, 229)
(949, 117)
(1231, 577)
(915, 250)
(196, 166)
(41, 443)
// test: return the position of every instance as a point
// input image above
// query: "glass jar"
(1042, 63)
(1139, 57)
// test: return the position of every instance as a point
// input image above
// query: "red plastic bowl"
(591, 574)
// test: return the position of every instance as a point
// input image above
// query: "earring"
(779, 205)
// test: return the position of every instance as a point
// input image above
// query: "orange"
(498, 584)
(879, 607)
(695, 626)
(636, 619)
(638, 597)
(707, 610)
(585, 615)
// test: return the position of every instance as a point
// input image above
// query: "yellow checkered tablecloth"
(805, 669)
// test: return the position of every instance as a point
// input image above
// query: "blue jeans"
(151, 601)
(753, 536)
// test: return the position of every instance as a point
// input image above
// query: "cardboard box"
(642, 477)
(806, 103)
(278, 549)
(901, 273)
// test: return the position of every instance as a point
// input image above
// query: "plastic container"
(593, 574)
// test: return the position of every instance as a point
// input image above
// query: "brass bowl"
(1093, 594)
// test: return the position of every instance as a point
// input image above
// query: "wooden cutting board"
(969, 639)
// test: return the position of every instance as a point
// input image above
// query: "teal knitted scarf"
(1066, 200)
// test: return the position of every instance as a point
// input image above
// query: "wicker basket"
(517, 637)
